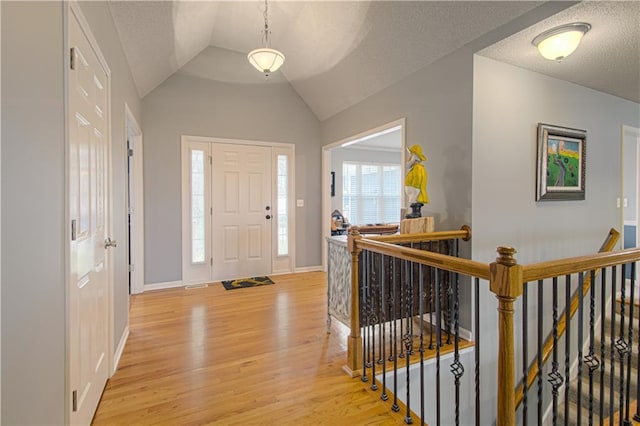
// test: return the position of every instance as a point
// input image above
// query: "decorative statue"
(415, 183)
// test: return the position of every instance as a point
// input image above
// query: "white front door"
(89, 211)
(242, 210)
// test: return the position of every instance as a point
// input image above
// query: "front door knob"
(268, 216)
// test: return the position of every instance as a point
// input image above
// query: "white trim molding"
(118, 354)
(302, 269)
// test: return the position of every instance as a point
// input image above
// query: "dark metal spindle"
(621, 344)
(430, 296)
(636, 416)
(613, 345)
(603, 352)
(383, 320)
(580, 294)
(540, 343)
(374, 320)
(591, 360)
(421, 350)
(364, 312)
(567, 349)
(456, 368)
(555, 379)
(396, 273)
(630, 338)
(476, 333)
(408, 340)
(525, 363)
(438, 344)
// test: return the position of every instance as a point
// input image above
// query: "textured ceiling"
(340, 52)
(607, 60)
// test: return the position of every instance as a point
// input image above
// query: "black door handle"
(268, 216)
(268, 208)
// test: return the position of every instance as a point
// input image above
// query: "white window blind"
(371, 192)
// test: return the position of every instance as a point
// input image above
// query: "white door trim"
(135, 132)
(73, 10)
(277, 148)
(326, 175)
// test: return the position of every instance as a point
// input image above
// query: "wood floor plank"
(249, 356)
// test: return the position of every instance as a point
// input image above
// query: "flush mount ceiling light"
(560, 42)
(265, 59)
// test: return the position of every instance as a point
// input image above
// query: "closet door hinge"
(210, 160)
(73, 58)
(130, 152)
(74, 400)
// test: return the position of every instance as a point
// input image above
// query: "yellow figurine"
(416, 180)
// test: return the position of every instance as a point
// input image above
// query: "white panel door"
(242, 211)
(89, 210)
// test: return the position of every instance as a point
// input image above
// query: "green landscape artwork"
(563, 163)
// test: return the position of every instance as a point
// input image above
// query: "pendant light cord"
(267, 38)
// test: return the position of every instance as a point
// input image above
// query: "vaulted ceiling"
(340, 52)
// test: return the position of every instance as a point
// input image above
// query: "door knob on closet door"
(267, 208)
(268, 216)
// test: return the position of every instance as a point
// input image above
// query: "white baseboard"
(308, 269)
(162, 286)
(120, 349)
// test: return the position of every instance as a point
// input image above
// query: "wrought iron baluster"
(636, 416)
(555, 379)
(383, 321)
(603, 352)
(457, 369)
(374, 287)
(591, 360)
(476, 334)
(438, 344)
(630, 338)
(613, 343)
(365, 312)
(408, 340)
(421, 350)
(540, 340)
(567, 349)
(525, 363)
(580, 294)
(397, 273)
(621, 344)
(431, 284)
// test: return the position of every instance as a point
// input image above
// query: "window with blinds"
(371, 192)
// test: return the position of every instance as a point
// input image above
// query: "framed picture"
(561, 163)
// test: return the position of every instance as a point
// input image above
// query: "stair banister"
(506, 283)
(608, 245)
(354, 343)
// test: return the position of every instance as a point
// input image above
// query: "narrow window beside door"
(197, 206)
(283, 201)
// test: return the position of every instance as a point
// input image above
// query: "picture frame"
(333, 184)
(561, 168)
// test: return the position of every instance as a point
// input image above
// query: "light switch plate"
(299, 203)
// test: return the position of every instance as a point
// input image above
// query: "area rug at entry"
(246, 282)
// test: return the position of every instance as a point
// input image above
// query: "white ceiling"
(340, 52)
(607, 60)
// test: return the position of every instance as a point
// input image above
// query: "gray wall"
(33, 164)
(185, 105)
(630, 170)
(508, 104)
(340, 155)
(122, 90)
(33, 220)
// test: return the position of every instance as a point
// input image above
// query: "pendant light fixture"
(560, 42)
(265, 59)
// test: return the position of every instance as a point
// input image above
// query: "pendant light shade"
(265, 59)
(560, 42)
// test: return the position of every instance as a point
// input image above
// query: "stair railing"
(547, 349)
(383, 272)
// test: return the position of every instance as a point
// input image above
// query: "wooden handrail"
(607, 246)
(442, 261)
(573, 265)
(464, 233)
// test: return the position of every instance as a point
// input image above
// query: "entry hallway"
(253, 356)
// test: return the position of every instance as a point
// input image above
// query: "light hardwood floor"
(255, 356)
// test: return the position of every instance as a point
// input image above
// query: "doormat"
(246, 282)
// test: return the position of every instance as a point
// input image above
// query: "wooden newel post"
(354, 344)
(506, 284)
